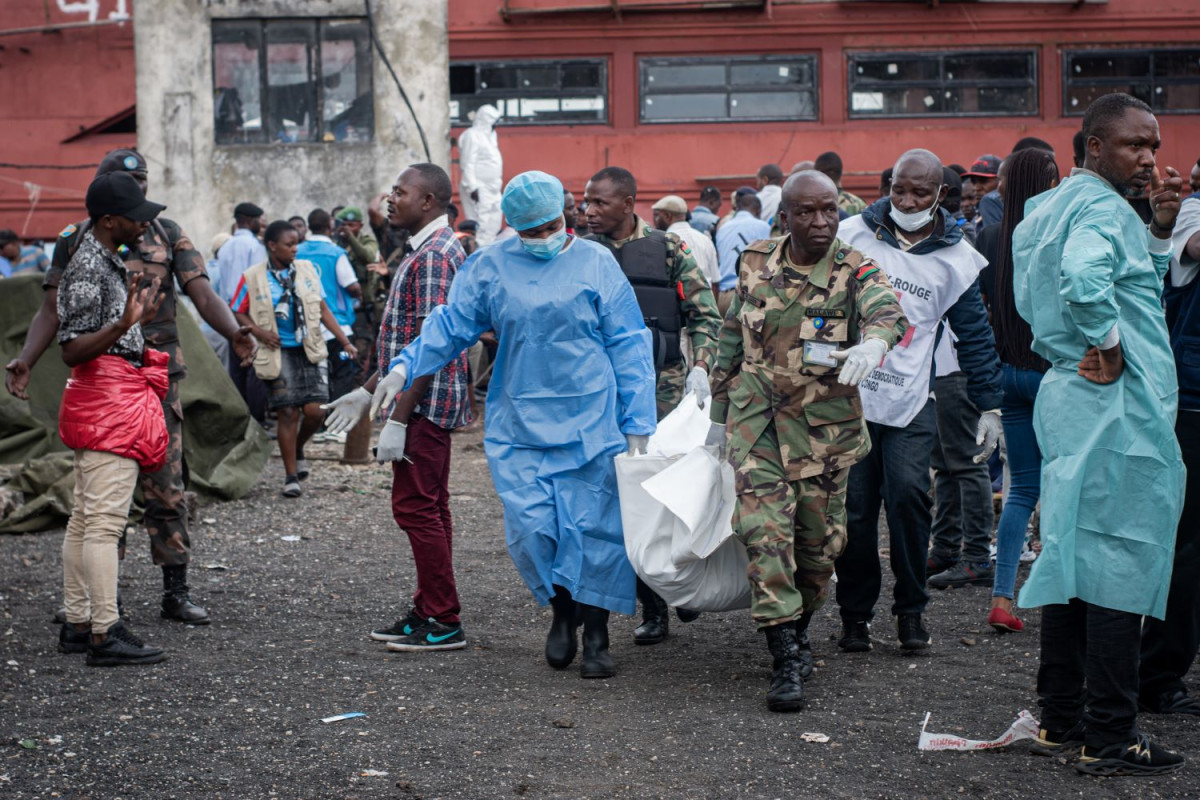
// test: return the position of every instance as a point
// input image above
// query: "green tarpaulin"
(224, 449)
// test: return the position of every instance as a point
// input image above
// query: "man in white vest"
(933, 270)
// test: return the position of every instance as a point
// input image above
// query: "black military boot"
(806, 656)
(176, 604)
(787, 690)
(654, 616)
(562, 641)
(597, 662)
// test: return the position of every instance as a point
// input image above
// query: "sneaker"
(302, 468)
(1058, 744)
(336, 438)
(1028, 554)
(433, 635)
(400, 628)
(121, 647)
(1005, 621)
(292, 487)
(856, 637)
(71, 640)
(936, 563)
(1172, 701)
(1140, 757)
(963, 574)
(912, 633)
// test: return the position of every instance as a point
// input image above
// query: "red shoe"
(1004, 622)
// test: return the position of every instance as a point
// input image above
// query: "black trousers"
(250, 387)
(1169, 645)
(1089, 671)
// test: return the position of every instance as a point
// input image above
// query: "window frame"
(814, 89)
(317, 83)
(1034, 81)
(1068, 53)
(558, 93)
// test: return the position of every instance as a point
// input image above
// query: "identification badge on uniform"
(819, 353)
(283, 310)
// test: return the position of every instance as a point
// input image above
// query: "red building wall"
(56, 84)
(681, 158)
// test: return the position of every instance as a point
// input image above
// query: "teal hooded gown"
(1112, 473)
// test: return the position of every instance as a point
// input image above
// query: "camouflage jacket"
(164, 250)
(762, 373)
(850, 203)
(697, 304)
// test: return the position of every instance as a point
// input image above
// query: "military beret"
(350, 214)
(121, 161)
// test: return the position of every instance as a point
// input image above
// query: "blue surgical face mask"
(547, 248)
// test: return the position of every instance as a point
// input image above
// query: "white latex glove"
(637, 444)
(860, 360)
(697, 384)
(391, 442)
(347, 410)
(386, 390)
(987, 434)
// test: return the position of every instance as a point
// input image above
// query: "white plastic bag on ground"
(677, 511)
(1023, 727)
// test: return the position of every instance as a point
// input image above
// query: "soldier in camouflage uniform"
(164, 251)
(673, 294)
(362, 248)
(793, 414)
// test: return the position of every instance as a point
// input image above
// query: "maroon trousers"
(421, 506)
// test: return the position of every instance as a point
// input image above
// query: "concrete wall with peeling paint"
(201, 181)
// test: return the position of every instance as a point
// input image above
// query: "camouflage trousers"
(793, 531)
(670, 388)
(166, 514)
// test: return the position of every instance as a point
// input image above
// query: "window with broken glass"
(1168, 80)
(292, 81)
(943, 84)
(568, 92)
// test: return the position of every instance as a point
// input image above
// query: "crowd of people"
(863, 357)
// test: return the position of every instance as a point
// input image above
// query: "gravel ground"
(235, 711)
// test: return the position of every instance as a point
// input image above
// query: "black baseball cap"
(121, 161)
(118, 194)
(247, 210)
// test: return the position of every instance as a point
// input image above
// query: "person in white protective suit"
(482, 173)
(572, 387)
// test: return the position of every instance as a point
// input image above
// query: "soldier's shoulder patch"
(866, 270)
(68, 231)
(683, 248)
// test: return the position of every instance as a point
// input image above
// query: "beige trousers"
(104, 485)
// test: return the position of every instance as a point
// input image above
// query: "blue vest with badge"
(324, 256)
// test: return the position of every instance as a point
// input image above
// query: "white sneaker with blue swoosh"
(433, 635)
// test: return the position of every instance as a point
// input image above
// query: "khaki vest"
(268, 363)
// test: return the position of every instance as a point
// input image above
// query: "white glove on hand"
(987, 434)
(860, 360)
(391, 442)
(697, 384)
(386, 390)
(347, 410)
(637, 444)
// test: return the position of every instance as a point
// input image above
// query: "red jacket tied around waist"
(114, 407)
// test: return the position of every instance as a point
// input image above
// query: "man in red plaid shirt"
(416, 437)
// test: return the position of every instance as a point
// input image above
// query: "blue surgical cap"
(531, 199)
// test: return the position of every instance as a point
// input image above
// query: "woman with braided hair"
(1027, 173)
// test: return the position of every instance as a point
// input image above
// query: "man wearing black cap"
(239, 254)
(163, 251)
(984, 179)
(101, 309)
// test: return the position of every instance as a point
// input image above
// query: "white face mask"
(913, 221)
